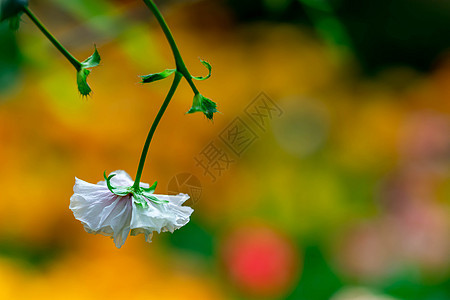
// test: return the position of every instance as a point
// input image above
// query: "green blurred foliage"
(383, 33)
(196, 238)
(319, 281)
(10, 58)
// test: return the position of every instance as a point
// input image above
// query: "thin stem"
(172, 90)
(181, 72)
(52, 39)
(191, 83)
(181, 67)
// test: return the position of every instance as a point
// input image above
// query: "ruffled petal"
(100, 211)
(160, 217)
(122, 179)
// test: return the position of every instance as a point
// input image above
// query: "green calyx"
(83, 86)
(11, 10)
(83, 72)
(140, 195)
(204, 105)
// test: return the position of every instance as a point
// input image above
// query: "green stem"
(181, 67)
(181, 72)
(52, 39)
(191, 83)
(174, 86)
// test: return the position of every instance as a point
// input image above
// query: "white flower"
(101, 211)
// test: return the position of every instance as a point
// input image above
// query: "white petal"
(148, 233)
(174, 199)
(160, 217)
(100, 211)
(121, 179)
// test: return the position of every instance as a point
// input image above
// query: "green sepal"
(12, 8)
(121, 191)
(147, 193)
(204, 105)
(151, 189)
(157, 76)
(140, 200)
(208, 66)
(83, 86)
(82, 74)
(152, 198)
(140, 195)
(93, 60)
(117, 190)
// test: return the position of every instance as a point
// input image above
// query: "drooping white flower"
(119, 211)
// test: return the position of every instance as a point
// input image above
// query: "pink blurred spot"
(426, 140)
(260, 261)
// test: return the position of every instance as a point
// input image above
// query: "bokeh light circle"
(260, 261)
(303, 127)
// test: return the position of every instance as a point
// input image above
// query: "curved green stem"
(169, 96)
(181, 71)
(52, 39)
(191, 83)
(181, 67)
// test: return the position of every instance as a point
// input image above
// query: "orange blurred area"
(343, 191)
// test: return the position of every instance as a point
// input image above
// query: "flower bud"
(203, 104)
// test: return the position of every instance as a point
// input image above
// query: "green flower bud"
(83, 72)
(203, 104)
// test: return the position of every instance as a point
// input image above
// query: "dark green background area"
(384, 33)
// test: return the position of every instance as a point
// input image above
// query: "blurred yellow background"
(343, 193)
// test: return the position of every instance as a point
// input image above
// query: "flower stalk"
(52, 39)
(201, 103)
(180, 65)
(158, 117)
(12, 10)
